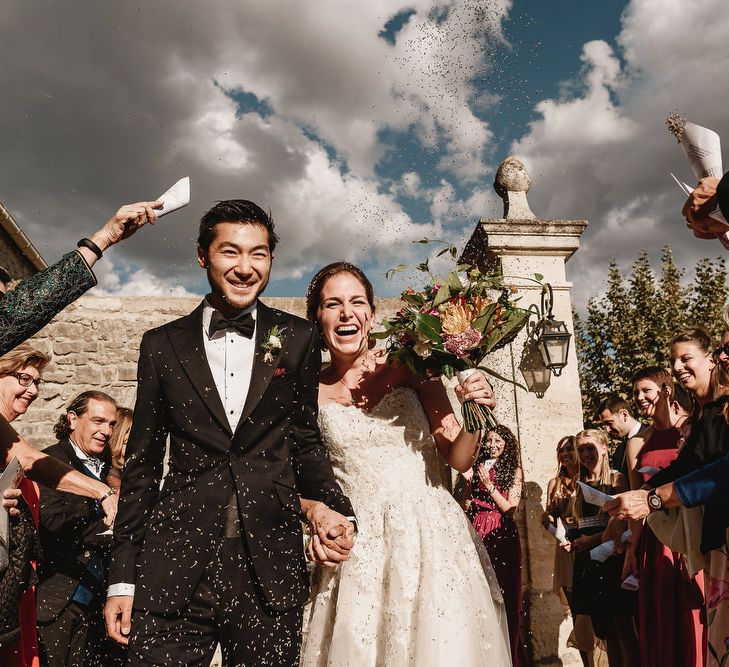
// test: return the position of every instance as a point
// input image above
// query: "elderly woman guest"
(20, 382)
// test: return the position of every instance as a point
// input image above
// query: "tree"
(632, 324)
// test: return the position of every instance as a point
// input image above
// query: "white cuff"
(120, 589)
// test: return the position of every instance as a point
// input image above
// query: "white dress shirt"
(91, 463)
(230, 357)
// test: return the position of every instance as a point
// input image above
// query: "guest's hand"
(699, 204)
(127, 220)
(582, 543)
(478, 389)
(630, 565)
(614, 531)
(629, 505)
(109, 505)
(10, 501)
(485, 479)
(118, 617)
(567, 546)
(546, 520)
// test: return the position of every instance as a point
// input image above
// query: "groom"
(215, 555)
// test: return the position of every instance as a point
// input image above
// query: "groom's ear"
(202, 258)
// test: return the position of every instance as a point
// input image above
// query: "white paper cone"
(703, 150)
(175, 198)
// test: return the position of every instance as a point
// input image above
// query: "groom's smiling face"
(238, 263)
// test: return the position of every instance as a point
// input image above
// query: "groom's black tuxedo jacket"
(163, 538)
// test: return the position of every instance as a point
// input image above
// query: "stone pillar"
(523, 245)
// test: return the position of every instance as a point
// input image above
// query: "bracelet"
(109, 493)
(88, 243)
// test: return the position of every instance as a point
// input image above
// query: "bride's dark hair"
(313, 293)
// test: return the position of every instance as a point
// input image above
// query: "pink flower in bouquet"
(462, 342)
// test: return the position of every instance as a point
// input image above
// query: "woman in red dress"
(496, 487)
(670, 602)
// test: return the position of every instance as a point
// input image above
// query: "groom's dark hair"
(235, 210)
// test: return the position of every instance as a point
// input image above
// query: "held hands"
(118, 618)
(476, 388)
(332, 535)
(127, 220)
(10, 501)
(629, 505)
(699, 204)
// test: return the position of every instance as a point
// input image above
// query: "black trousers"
(225, 608)
(77, 638)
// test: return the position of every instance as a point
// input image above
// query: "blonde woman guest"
(118, 445)
(596, 586)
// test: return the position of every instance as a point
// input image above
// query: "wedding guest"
(615, 415)
(596, 586)
(29, 307)
(670, 600)
(20, 382)
(694, 367)
(118, 445)
(418, 588)
(75, 542)
(495, 497)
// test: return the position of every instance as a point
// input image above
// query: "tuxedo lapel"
(186, 338)
(262, 371)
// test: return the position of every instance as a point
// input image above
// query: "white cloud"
(601, 150)
(112, 103)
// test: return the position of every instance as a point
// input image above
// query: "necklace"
(368, 365)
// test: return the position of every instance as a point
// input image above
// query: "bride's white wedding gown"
(418, 588)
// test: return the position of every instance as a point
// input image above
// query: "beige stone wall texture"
(95, 345)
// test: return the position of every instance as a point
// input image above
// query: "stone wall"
(17, 264)
(95, 345)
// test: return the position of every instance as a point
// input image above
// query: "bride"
(418, 588)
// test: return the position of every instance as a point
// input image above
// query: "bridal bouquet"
(452, 325)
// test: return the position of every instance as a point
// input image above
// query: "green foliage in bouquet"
(453, 324)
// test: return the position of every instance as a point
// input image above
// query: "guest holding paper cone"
(670, 600)
(596, 589)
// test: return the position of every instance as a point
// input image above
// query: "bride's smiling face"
(345, 315)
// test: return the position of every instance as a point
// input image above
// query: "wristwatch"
(654, 501)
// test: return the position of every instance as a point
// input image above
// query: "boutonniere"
(272, 343)
(279, 372)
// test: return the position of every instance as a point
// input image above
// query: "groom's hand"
(118, 617)
(332, 534)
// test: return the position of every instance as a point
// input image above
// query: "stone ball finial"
(512, 182)
(512, 176)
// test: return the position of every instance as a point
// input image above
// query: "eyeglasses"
(25, 380)
(723, 349)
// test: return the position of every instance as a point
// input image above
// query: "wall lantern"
(552, 337)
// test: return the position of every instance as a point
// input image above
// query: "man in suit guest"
(617, 419)
(70, 593)
(216, 554)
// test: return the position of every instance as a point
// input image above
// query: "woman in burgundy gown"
(496, 487)
(670, 602)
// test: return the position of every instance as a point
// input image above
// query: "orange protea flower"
(456, 318)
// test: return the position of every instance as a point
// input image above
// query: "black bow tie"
(244, 325)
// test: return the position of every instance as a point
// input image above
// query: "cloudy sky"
(361, 125)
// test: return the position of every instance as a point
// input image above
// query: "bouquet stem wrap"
(475, 417)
